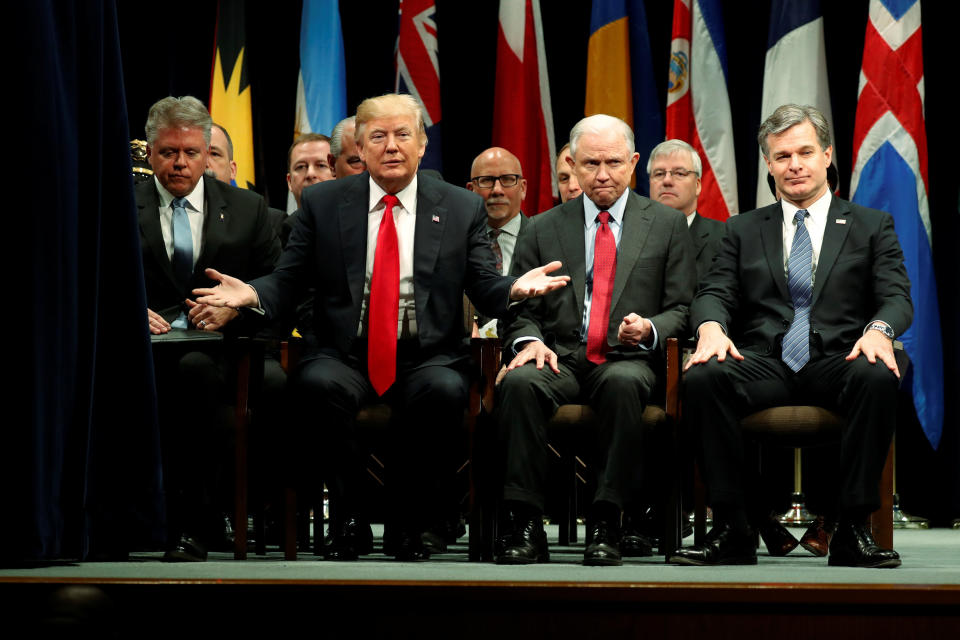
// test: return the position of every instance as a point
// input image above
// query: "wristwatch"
(882, 328)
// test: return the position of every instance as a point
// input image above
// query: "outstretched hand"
(231, 292)
(537, 282)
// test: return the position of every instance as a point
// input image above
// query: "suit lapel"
(699, 235)
(569, 228)
(637, 219)
(214, 224)
(352, 214)
(431, 220)
(152, 233)
(833, 238)
(771, 232)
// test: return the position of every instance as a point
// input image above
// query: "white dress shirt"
(405, 219)
(816, 225)
(195, 213)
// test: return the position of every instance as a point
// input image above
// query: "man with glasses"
(674, 168)
(598, 341)
(497, 176)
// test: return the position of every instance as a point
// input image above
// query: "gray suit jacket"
(655, 276)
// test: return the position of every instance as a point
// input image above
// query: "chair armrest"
(291, 351)
(673, 378)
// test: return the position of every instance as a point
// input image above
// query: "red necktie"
(604, 270)
(384, 304)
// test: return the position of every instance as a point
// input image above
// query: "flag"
(322, 84)
(620, 74)
(230, 87)
(795, 69)
(890, 173)
(522, 113)
(418, 70)
(698, 107)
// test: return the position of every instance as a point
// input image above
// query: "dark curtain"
(82, 454)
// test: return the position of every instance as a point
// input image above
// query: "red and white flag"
(522, 115)
(698, 107)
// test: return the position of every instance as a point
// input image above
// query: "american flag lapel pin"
(841, 221)
(435, 218)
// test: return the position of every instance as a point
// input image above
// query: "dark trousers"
(428, 403)
(617, 391)
(719, 394)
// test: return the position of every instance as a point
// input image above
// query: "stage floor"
(930, 557)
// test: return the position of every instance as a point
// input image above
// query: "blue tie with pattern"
(796, 342)
(182, 251)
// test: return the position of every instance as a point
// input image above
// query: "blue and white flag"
(795, 69)
(322, 85)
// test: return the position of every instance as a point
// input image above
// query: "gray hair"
(670, 147)
(789, 115)
(600, 123)
(185, 111)
(336, 136)
(226, 134)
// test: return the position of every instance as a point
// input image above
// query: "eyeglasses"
(506, 180)
(660, 174)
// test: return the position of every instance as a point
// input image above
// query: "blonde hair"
(388, 106)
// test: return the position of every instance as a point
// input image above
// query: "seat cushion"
(794, 426)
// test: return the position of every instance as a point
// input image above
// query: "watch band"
(882, 328)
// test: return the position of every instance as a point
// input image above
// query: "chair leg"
(289, 524)
(699, 507)
(882, 520)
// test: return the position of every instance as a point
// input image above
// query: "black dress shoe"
(816, 539)
(349, 541)
(187, 549)
(853, 546)
(603, 545)
(635, 545)
(433, 541)
(778, 540)
(524, 543)
(722, 545)
(410, 548)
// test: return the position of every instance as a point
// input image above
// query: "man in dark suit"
(190, 222)
(505, 220)
(675, 168)
(391, 254)
(813, 290)
(633, 275)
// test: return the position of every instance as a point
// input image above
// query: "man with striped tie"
(801, 307)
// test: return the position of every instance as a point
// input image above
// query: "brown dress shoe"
(816, 539)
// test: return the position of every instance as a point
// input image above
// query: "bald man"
(497, 176)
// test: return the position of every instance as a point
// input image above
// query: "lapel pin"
(841, 221)
(436, 218)
(221, 216)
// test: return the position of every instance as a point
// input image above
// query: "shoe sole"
(882, 564)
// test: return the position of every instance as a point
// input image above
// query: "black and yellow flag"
(230, 86)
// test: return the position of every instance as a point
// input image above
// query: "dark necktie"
(182, 261)
(384, 303)
(495, 247)
(796, 342)
(604, 270)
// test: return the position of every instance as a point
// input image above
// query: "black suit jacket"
(238, 239)
(655, 276)
(328, 248)
(706, 234)
(860, 277)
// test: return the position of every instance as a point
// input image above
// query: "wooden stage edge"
(499, 610)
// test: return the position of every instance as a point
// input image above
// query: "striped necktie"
(182, 261)
(796, 342)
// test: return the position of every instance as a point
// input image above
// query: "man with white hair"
(632, 271)
(674, 168)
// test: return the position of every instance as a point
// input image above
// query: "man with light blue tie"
(801, 307)
(598, 341)
(189, 222)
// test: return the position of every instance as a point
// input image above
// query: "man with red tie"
(632, 274)
(390, 253)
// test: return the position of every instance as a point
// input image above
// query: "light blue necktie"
(182, 251)
(796, 342)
